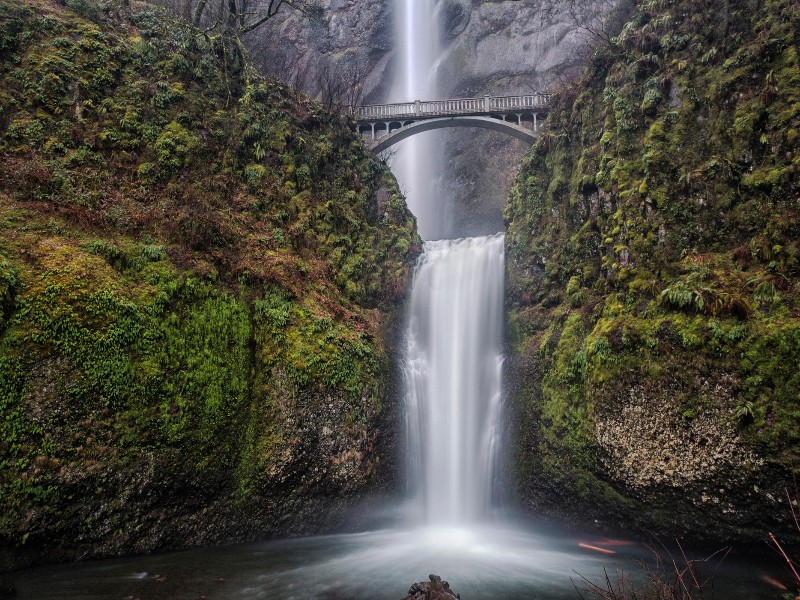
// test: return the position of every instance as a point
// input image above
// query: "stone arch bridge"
(387, 124)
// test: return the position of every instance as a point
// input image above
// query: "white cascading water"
(453, 377)
(454, 337)
(414, 164)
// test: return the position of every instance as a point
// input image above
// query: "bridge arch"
(402, 120)
(407, 130)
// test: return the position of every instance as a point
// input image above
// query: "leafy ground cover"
(199, 270)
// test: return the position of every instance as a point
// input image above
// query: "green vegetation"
(653, 248)
(198, 269)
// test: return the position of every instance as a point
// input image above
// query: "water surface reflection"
(481, 563)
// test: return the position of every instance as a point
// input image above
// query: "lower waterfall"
(452, 375)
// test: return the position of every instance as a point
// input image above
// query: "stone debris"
(435, 589)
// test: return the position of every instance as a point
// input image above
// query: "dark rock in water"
(436, 589)
(8, 590)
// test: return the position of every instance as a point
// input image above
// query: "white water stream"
(453, 363)
(415, 162)
(453, 375)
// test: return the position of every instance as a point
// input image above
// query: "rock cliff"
(199, 272)
(654, 298)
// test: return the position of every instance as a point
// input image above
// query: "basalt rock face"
(503, 46)
(506, 47)
(344, 38)
(199, 273)
(498, 48)
(654, 279)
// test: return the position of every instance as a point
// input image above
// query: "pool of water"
(481, 563)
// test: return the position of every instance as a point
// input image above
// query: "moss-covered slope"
(198, 272)
(654, 260)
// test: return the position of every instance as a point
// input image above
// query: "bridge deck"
(456, 107)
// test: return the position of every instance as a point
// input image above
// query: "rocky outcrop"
(654, 281)
(343, 38)
(435, 589)
(200, 272)
(649, 444)
(507, 47)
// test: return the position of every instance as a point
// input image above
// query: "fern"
(678, 295)
(764, 289)
(765, 292)
(744, 411)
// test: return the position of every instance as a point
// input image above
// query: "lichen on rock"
(200, 270)
(652, 256)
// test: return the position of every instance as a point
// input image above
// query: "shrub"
(89, 9)
(173, 146)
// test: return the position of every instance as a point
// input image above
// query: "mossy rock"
(198, 284)
(654, 286)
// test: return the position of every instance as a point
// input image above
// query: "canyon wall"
(200, 271)
(654, 279)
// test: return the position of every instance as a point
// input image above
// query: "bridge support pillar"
(373, 130)
(535, 124)
(519, 119)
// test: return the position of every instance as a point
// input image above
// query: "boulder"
(435, 589)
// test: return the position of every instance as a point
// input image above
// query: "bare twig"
(691, 586)
(785, 556)
(791, 507)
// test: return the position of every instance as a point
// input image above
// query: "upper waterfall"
(417, 52)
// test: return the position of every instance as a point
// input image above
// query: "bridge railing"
(383, 111)
(510, 103)
(455, 106)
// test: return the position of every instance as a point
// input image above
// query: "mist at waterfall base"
(490, 564)
(452, 369)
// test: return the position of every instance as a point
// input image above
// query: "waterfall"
(417, 44)
(453, 377)
(454, 336)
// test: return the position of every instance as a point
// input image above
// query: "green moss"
(200, 293)
(659, 190)
(8, 285)
(564, 407)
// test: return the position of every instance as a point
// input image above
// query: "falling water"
(417, 43)
(453, 360)
(452, 374)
